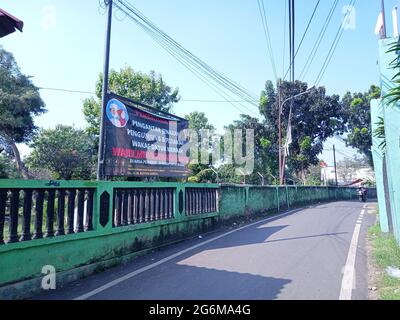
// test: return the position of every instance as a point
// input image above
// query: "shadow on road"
(198, 283)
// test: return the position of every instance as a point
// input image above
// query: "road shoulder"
(383, 252)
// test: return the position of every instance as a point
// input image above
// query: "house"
(347, 175)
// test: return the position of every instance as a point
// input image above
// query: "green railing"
(34, 210)
(78, 226)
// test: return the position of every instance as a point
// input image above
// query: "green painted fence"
(242, 200)
(83, 227)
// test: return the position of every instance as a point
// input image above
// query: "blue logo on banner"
(117, 113)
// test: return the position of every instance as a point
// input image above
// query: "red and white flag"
(379, 25)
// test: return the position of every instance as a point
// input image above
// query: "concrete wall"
(79, 255)
(388, 189)
(242, 200)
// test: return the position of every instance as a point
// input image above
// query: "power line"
(293, 38)
(334, 45)
(318, 42)
(182, 59)
(284, 39)
(181, 55)
(166, 41)
(183, 100)
(267, 34)
(304, 35)
(66, 90)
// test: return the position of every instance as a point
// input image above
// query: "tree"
(200, 172)
(198, 121)
(65, 151)
(265, 151)
(149, 89)
(347, 168)
(8, 169)
(20, 102)
(313, 177)
(316, 116)
(357, 115)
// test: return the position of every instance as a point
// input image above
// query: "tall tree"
(65, 151)
(357, 115)
(146, 88)
(20, 102)
(198, 121)
(8, 169)
(316, 116)
(265, 153)
(200, 172)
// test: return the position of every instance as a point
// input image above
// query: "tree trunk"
(20, 166)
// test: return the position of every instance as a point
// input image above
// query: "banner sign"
(143, 142)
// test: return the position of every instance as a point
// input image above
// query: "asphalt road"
(300, 255)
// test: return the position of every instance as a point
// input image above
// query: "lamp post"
(216, 173)
(273, 177)
(262, 179)
(283, 162)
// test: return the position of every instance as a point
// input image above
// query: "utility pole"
(280, 132)
(100, 169)
(384, 35)
(283, 157)
(334, 159)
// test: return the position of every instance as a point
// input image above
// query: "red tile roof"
(8, 23)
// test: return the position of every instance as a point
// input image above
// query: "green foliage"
(265, 151)
(316, 116)
(19, 101)
(207, 176)
(201, 172)
(91, 112)
(393, 96)
(65, 151)
(386, 253)
(347, 168)
(8, 169)
(227, 174)
(198, 121)
(149, 89)
(313, 177)
(357, 115)
(380, 133)
(194, 179)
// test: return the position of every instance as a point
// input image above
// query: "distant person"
(362, 193)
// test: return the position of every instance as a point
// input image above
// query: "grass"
(386, 253)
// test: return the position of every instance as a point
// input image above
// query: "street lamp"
(262, 179)
(296, 96)
(283, 162)
(216, 173)
(273, 177)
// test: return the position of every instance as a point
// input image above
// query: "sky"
(62, 46)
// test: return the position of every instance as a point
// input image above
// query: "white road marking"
(171, 257)
(349, 269)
